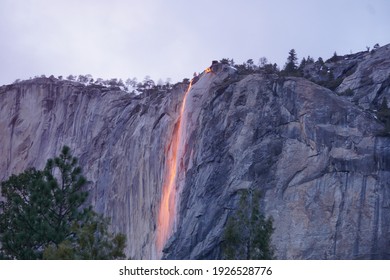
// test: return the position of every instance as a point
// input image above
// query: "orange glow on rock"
(167, 211)
(208, 70)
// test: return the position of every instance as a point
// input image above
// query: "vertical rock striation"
(119, 139)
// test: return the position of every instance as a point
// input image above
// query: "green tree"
(301, 68)
(90, 240)
(65, 195)
(291, 64)
(271, 68)
(23, 226)
(227, 61)
(41, 208)
(250, 65)
(248, 233)
(334, 58)
(309, 60)
(263, 61)
(302, 64)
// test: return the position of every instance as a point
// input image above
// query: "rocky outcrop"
(318, 157)
(370, 83)
(363, 78)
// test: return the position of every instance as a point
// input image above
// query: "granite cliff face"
(321, 159)
(120, 141)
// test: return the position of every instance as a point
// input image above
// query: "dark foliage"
(41, 208)
(248, 233)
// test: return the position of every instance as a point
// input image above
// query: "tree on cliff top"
(291, 65)
(247, 234)
(43, 210)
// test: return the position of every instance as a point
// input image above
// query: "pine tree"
(65, 195)
(248, 233)
(23, 228)
(90, 240)
(41, 208)
(302, 65)
(291, 64)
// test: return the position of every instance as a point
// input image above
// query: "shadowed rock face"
(316, 157)
(323, 173)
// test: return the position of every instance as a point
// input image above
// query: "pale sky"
(175, 38)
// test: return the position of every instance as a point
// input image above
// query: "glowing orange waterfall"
(167, 211)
